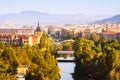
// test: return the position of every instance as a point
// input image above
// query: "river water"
(66, 68)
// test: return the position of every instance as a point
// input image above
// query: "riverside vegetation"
(41, 64)
(95, 59)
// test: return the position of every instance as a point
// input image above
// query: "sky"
(86, 7)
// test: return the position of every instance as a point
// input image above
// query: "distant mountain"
(27, 17)
(112, 20)
(32, 17)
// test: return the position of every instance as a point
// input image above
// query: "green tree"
(104, 39)
(95, 37)
(2, 45)
(83, 56)
(9, 56)
(46, 42)
(103, 65)
(8, 64)
(67, 46)
(44, 68)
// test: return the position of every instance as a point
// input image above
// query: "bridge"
(66, 60)
(65, 52)
(69, 40)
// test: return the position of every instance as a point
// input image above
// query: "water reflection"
(66, 68)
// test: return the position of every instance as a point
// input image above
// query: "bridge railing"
(65, 52)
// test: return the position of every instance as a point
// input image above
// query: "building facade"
(21, 36)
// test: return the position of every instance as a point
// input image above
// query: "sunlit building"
(21, 36)
(110, 35)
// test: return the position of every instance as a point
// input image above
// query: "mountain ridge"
(111, 20)
(31, 16)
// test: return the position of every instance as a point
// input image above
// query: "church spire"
(38, 29)
(38, 23)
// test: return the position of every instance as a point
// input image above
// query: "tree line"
(97, 59)
(41, 64)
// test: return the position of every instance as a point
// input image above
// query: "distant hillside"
(27, 17)
(112, 20)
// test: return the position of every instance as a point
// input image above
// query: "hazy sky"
(87, 7)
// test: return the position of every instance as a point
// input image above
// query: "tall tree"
(46, 42)
(9, 56)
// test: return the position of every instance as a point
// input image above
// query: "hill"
(27, 17)
(111, 20)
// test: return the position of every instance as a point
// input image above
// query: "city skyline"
(91, 8)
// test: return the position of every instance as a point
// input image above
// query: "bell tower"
(37, 34)
(38, 30)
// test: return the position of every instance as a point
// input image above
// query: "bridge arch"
(69, 40)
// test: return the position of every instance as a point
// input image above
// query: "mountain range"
(31, 17)
(112, 20)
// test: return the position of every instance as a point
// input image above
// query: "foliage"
(94, 62)
(38, 58)
(44, 68)
(46, 42)
(8, 63)
(65, 46)
(94, 37)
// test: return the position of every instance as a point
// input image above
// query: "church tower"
(37, 35)
(38, 30)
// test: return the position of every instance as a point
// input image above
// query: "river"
(66, 68)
